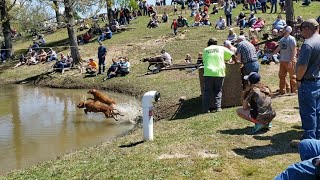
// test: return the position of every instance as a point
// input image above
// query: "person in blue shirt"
(108, 33)
(102, 52)
(309, 167)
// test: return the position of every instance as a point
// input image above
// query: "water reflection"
(38, 124)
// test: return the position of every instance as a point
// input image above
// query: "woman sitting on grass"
(256, 103)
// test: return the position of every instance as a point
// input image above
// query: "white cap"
(289, 29)
(227, 42)
(242, 37)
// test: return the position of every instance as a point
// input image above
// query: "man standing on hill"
(308, 78)
(214, 58)
(288, 50)
(102, 51)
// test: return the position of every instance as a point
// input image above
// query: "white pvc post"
(147, 108)
(148, 124)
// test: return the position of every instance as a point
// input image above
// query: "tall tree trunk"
(110, 15)
(289, 10)
(72, 36)
(109, 10)
(6, 29)
(56, 9)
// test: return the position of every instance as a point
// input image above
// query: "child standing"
(256, 103)
(174, 26)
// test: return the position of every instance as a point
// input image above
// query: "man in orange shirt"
(92, 66)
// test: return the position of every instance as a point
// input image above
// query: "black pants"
(229, 20)
(264, 7)
(102, 64)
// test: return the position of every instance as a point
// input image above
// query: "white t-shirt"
(167, 58)
(221, 23)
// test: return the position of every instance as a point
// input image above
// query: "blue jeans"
(309, 149)
(250, 67)
(211, 98)
(229, 20)
(247, 69)
(309, 107)
(242, 23)
(253, 7)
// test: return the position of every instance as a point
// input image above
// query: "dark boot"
(103, 69)
(99, 72)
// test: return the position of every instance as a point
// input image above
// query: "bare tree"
(69, 8)
(5, 7)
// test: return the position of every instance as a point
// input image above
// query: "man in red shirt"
(86, 37)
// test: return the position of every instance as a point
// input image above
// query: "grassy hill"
(193, 145)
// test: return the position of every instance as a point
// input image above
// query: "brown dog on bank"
(98, 96)
(91, 105)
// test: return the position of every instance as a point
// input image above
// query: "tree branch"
(11, 6)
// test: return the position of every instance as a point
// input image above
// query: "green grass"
(231, 154)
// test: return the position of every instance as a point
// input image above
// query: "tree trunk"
(110, 15)
(72, 36)
(289, 11)
(6, 29)
(56, 9)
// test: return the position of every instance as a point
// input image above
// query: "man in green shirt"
(214, 58)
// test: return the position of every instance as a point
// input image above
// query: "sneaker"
(257, 128)
(268, 126)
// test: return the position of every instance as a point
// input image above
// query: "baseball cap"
(253, 77)
(289, 29)
(242, 37)
(312, 23)
(227, 42)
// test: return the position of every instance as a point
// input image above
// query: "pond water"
(39, 124)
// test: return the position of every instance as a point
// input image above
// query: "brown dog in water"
(98, 96)
(96, 106)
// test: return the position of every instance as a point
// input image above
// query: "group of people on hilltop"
(36, 54)
(122, 15)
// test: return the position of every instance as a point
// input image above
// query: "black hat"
(253, 77)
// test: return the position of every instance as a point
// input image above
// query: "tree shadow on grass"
(36, 79)
(280, 144)
(188, 108)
